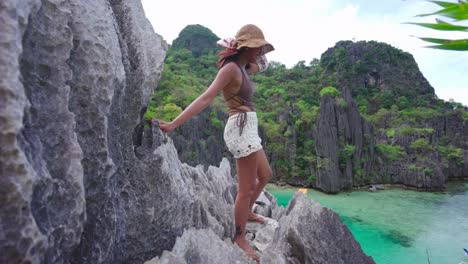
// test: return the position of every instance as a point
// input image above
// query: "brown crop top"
(240, 100)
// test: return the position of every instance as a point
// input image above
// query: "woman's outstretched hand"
(165, 127)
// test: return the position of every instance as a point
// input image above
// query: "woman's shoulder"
(232, 64)
(231, 68)
(230, 71)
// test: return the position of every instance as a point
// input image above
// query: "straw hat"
(252, 36)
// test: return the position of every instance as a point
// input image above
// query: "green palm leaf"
(440, 26)
(456, 11)
(446, 41)
(459, 47)
(435, 40)
(443, 4)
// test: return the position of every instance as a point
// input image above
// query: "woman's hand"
(165, 127)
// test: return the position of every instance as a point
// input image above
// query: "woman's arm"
(223, 78)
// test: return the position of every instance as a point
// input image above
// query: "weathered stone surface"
(48, 137)
(305, 233)
(42, 195)
(340, 125)
(429, 169)
(202, 246)
(329, 177)
(112, 180)
(163, 197)
(262, 234)
(75, 79)
(265, 205)
(412, 170)
(453, 129)
(310, 233)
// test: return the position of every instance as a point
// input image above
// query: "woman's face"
(252, 53)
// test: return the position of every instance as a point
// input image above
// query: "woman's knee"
(269, 173)
(265, 175)
(245, 194)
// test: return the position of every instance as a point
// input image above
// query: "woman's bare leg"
(263, 176)
(246, 174)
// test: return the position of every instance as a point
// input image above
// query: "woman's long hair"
(228, 55)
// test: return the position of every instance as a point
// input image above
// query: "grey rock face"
(75, 79)
(265, 205)
(20, 236)
(340, 126)
(310, 233)
(261, 235)
(48, 138)
(305, 233)
(166, 197)
(42, 204)
(411, 170)
(454, 128)
(329, 177)
(112, 180)
(202, 246)
(429, 169)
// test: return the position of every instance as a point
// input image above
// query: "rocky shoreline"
(369, 187)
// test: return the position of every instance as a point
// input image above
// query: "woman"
(242, 55)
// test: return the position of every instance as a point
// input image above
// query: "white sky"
(304, 29)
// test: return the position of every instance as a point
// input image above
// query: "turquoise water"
(401, 226)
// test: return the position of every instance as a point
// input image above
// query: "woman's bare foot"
(256, 218)
(244, 245)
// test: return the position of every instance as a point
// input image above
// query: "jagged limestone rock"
(76, 78)
(340, 126)
(306, 233)
(184, 196)
(329, 177)
(310, 233)
(262, 234)
(202, 246)
(42, 208)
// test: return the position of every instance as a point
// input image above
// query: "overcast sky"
(304, 29)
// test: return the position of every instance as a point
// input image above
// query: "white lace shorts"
(246, 143)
